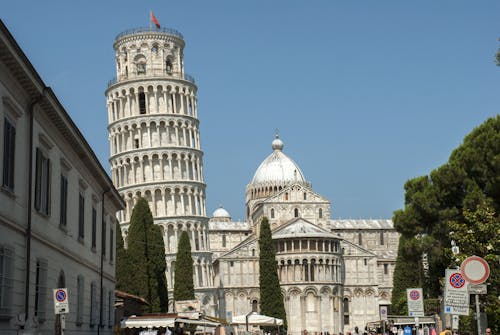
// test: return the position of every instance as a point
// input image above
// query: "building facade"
(334, 274)
(57, 210)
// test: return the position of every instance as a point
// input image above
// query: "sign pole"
(478, 316)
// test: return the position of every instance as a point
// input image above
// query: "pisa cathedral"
(334, 274)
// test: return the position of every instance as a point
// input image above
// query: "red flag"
(155, 20)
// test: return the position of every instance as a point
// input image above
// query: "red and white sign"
(475, 270)
(414, 298)
(456, 295)
(61, 305)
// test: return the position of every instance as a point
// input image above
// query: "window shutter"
(38, 181)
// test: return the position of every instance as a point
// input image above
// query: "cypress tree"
(183, 281)
(271, 298)
(121, 267)
(146, 259)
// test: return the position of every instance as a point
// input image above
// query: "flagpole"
(150, 16)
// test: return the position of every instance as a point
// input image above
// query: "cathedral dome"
(278, 168)
(221, 213)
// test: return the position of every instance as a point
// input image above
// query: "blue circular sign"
(60, 295)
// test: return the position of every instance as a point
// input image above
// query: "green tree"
(122, 266)
(271, 297)
(183, 281)
(448, 198)
(146, 259)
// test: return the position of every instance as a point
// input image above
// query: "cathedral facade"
(334, 274)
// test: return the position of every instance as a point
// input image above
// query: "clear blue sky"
(365, 94)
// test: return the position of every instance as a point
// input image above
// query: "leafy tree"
(271, 298)
(460, 196)
(183, 281)
(146, 259)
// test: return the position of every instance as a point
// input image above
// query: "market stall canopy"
(256, 319)
(155, 321)
(147, 322)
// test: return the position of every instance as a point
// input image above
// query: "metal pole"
(478, 316)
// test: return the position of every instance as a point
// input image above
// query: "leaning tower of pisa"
(155, 145)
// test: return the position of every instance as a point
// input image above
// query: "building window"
(111, 245)
(286, 196)
(142, 103)
(63, 203)
(360, 239)
(365, 261)
(136, 143)
(346, 311)
(381, 238)
(9, 146)
(320, 213)
(254, 306)
(296, 212)
(80, 299)
(272, 213)
(305, 196)
(223, 241)
(41, 289)
(103, 237)
(104, 307)
(42, 183)
(110, 309)
(253, 252)
(93, 305)
(81, 216)
(386, 269)
(6, 280)
(168, 66)
(141, 68)
(94, 228)
(231, 263)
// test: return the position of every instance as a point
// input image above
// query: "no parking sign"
(61, 304)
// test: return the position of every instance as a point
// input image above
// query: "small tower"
(155, 145)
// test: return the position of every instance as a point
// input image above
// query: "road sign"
(456, 295)
(475, 270)
(454, 322)
(478, 289)
(61, 304)
(383, 312)
(415, 301)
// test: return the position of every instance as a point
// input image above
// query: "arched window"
(305, 196)
(142, 103)
(253, 252)
(254, 306)
(168, 66)
(346, 311)
(320, 213)
(223, 241)
(286, 196)
(296, 212)
(272, 213)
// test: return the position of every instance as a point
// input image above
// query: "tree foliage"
(271, 297)
(122, 266)
(183, 281)
(461, 198)
(146, 259)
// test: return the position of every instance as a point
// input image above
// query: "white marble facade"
(334, 273)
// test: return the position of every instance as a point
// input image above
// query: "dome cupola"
(278, 168)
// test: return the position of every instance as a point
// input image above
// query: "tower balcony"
(139, 30)
(151, 73)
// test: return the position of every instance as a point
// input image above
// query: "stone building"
(334, 274)
(57, 210)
